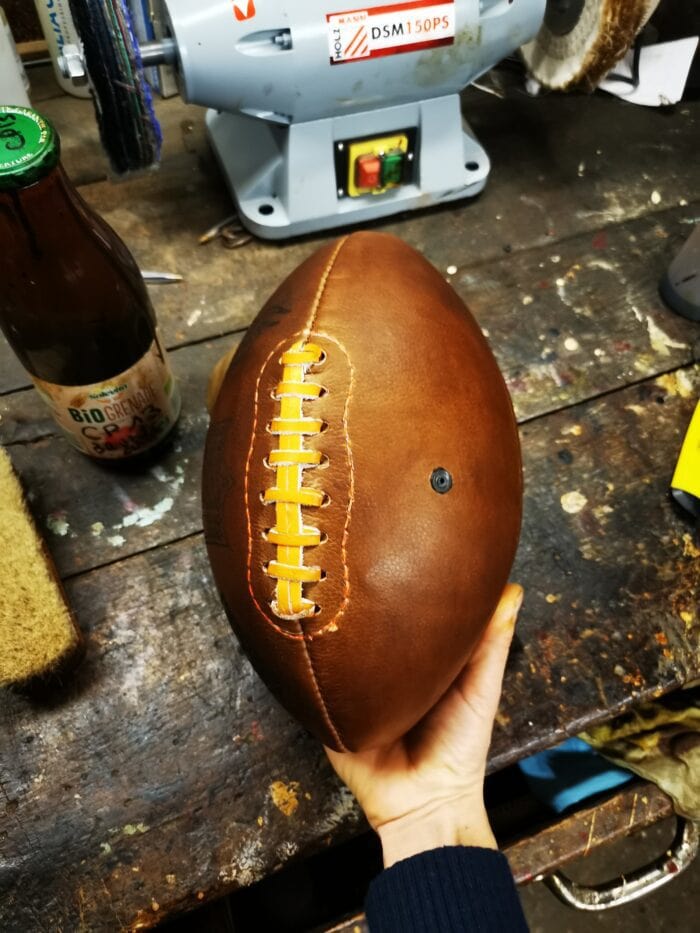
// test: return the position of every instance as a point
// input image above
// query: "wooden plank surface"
(167, 759)
(611, 568)
(541, 308)
(537, 199)
(573, 837)
(94, 514)
(578, 834)
(164, 774)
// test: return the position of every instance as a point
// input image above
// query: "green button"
(29, 147)
(392, 167)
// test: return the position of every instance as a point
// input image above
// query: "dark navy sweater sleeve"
(450, 890)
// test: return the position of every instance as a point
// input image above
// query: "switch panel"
(374, 165)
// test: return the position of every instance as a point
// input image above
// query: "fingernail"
(507, 615)
(518, 601)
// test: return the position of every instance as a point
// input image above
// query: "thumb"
(482, 680)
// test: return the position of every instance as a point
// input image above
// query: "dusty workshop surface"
(163, 774)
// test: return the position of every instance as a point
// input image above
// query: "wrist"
(459, 823)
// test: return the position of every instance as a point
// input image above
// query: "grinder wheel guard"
(129, 130)
(581, 40)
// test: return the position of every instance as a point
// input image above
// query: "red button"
(368, 170)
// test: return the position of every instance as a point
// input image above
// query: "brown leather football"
(362, 490)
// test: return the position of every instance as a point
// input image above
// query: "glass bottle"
(73, 304)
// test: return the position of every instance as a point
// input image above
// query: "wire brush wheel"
(129, 129)
(581, 40)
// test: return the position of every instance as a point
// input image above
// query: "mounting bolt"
(72, 64)
(283, 40)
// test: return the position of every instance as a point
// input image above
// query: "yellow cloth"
(660, 741)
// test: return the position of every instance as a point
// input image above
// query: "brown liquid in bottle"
(73, 305)
(75, 310)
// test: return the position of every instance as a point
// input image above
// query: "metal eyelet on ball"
(441, 481)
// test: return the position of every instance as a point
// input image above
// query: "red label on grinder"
(356, 35)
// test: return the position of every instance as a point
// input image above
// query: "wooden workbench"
(163, 775)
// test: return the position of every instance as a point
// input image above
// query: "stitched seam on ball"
(289, 493)
(299, 606)
(246, 490)
(319, 695)
(312, 318)
(332, 625)
(322, 286)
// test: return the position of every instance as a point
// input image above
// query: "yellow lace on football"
(289, 461)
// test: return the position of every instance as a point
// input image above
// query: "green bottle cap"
(29, 147)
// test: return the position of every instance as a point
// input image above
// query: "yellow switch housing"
(687, 475)
(372, 147)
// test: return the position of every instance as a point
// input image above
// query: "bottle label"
(121, 417)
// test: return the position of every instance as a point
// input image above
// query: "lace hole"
(326, 501)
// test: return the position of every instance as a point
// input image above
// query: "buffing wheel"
(129, 130)
(581, 40)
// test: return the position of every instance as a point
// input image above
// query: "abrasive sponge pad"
(38, 634)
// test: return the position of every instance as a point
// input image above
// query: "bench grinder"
(321, 113)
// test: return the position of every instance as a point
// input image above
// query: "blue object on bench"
(569, 773)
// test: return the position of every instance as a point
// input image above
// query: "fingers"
(482, 680)
(217, 378)
(502, 622)
(466, 712)
(337, 759)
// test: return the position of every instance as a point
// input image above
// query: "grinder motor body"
(323, 114)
